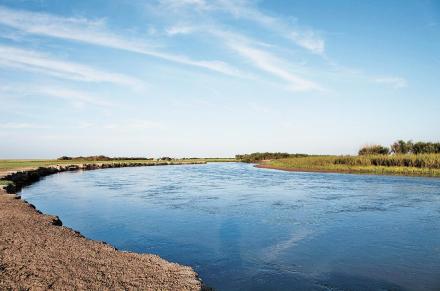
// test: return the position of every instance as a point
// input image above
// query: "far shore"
(340, 171)
(423, 165)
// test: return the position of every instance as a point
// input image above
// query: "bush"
(426, 148)
(165, 159)
(256, 157)
(402, 147)
(374, 150)
(64, 158)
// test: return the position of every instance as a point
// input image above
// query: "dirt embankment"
(37, 253)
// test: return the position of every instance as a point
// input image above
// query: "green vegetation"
(402, 147)
(257, 157)
(5, 182)
(10, 165)
(103, 158)
(401, 158)
(396, 164)
(425, 148)
(374, 150)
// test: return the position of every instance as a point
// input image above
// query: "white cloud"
(178, 4)
(76, 97)
(79, 98)
(395, 82)
(179, 29)
(275, 66)
(22, 125)
(134, 125)
(304, 37)
(309, 40)
(96, 32)
(33, 61)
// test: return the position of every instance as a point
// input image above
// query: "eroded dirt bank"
(37, 253)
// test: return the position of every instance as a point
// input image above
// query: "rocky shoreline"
(38, 253)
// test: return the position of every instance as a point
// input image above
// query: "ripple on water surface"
(244, 228)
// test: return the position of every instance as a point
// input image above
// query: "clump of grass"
(4, 183)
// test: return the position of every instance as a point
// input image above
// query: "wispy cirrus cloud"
(95, 32)
(395, 82)
(307, 38)
(28, 60)
(254, 51)
(274, 66)
(256, 54)
(76, 97)
(22, 125)
(135, 124)
(179, 29)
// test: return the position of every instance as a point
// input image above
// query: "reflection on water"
(244, 228)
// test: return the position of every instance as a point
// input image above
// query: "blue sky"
(216, 78)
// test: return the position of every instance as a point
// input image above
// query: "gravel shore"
(38, 253)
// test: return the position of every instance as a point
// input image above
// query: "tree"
(425, 148)
(402, 147)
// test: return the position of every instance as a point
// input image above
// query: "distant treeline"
(402, 147)
(256, 157)
(106, 158)
(102, 158)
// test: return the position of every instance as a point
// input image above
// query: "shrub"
(426, 148)
(165, 159)
(64, 158)
(374, 150)
(402, 147)
(256, 157)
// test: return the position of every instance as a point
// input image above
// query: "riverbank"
(20, 165)
(38, 253)
(427, 165)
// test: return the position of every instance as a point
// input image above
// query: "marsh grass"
(412, 165)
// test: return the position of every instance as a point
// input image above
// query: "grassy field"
(410, 165)
(10, 165)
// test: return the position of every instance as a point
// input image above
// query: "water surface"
(243, 228)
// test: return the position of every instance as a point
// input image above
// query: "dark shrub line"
(256, 157)
(402, 147)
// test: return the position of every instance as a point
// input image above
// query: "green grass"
(409, 165)
(10, 165)
(5, 182)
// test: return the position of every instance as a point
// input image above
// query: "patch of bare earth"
(36, 253)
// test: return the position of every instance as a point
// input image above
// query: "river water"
(243, 228)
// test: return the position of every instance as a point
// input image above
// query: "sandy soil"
(37, 253)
